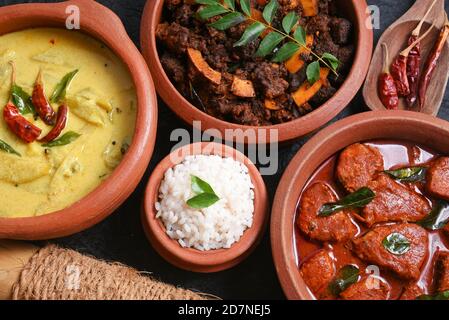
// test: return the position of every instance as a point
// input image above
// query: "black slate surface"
(121, 238)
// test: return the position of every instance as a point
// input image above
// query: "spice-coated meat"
(370, 248)
(337, 227)
(412, 291)
(318, 271)
(368, 288)
(182, 29)
(438, 178)
(442, 271)
(357, 165)
(394, 202)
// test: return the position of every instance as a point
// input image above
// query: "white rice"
(218, 226)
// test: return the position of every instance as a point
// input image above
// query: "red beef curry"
(349, 254)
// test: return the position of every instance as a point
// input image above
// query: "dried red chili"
(399, 67)
(413, 69)
(387, 90)
(40, 102)
(414, 61)
(18, 124)
(431, 64)
(61, 122)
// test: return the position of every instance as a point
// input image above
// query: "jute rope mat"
(54, 273)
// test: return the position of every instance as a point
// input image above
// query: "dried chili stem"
(417, 30)
(406, 51)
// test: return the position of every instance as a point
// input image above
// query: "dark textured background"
(121, 238)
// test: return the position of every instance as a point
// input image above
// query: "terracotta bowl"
(355, 10)
(192, 259)
(102, 24)
(398, 125)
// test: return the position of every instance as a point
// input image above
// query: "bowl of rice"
(205, 208)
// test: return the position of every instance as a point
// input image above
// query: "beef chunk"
(269, 77)
(174, 68)
(412, 291)
(338, 227)
(324, 94)
(358, 164)
(174, 37)
(340, 30)
(318, 24)
(184, 15)
(297, 79)
(438, 178)
(345, 55)
(244, 113)
(318, 271)
(370, 248)
(394, 202)
(442, 272)
(368, 288)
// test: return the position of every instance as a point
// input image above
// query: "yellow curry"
(38, 178)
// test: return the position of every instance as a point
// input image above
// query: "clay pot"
(393, 125)
(355, 10)
(192, 259)
(102, 24)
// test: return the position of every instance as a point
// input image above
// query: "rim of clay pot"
(398, 125)
(287, 131)
(103, 25)
(188, 258)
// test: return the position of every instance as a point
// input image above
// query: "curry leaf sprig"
(292, 34)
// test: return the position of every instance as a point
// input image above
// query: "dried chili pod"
(414, 61)
(399, 67)
(431, 64)
(18, 124)
(387, 91)
(60, 124)
(40, 102)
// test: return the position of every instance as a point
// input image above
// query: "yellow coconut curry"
(68, 117)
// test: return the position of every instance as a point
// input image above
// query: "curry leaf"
(439, 296)
(412, 174)
(300, 35)
(396, 244)
(269, 43)
(228, 21)
(438, 217)
(61, 88)
(65, 139)
(21, 100)
(246, 7)
(250, 34)
(313, 72)
(286, 52)
(357, 199)
(230, 4)
(211, 11)
(332, 60)
(289, 22)
(347, 276)
(201, 186)
(7, 148)
(270, 10)
(203, 200)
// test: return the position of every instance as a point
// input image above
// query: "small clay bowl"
(355, 10)
(192, 259)
(393, 125)
(102, 24)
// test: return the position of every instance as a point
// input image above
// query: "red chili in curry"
(61, 122)
(18, 124)
(40, 102)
